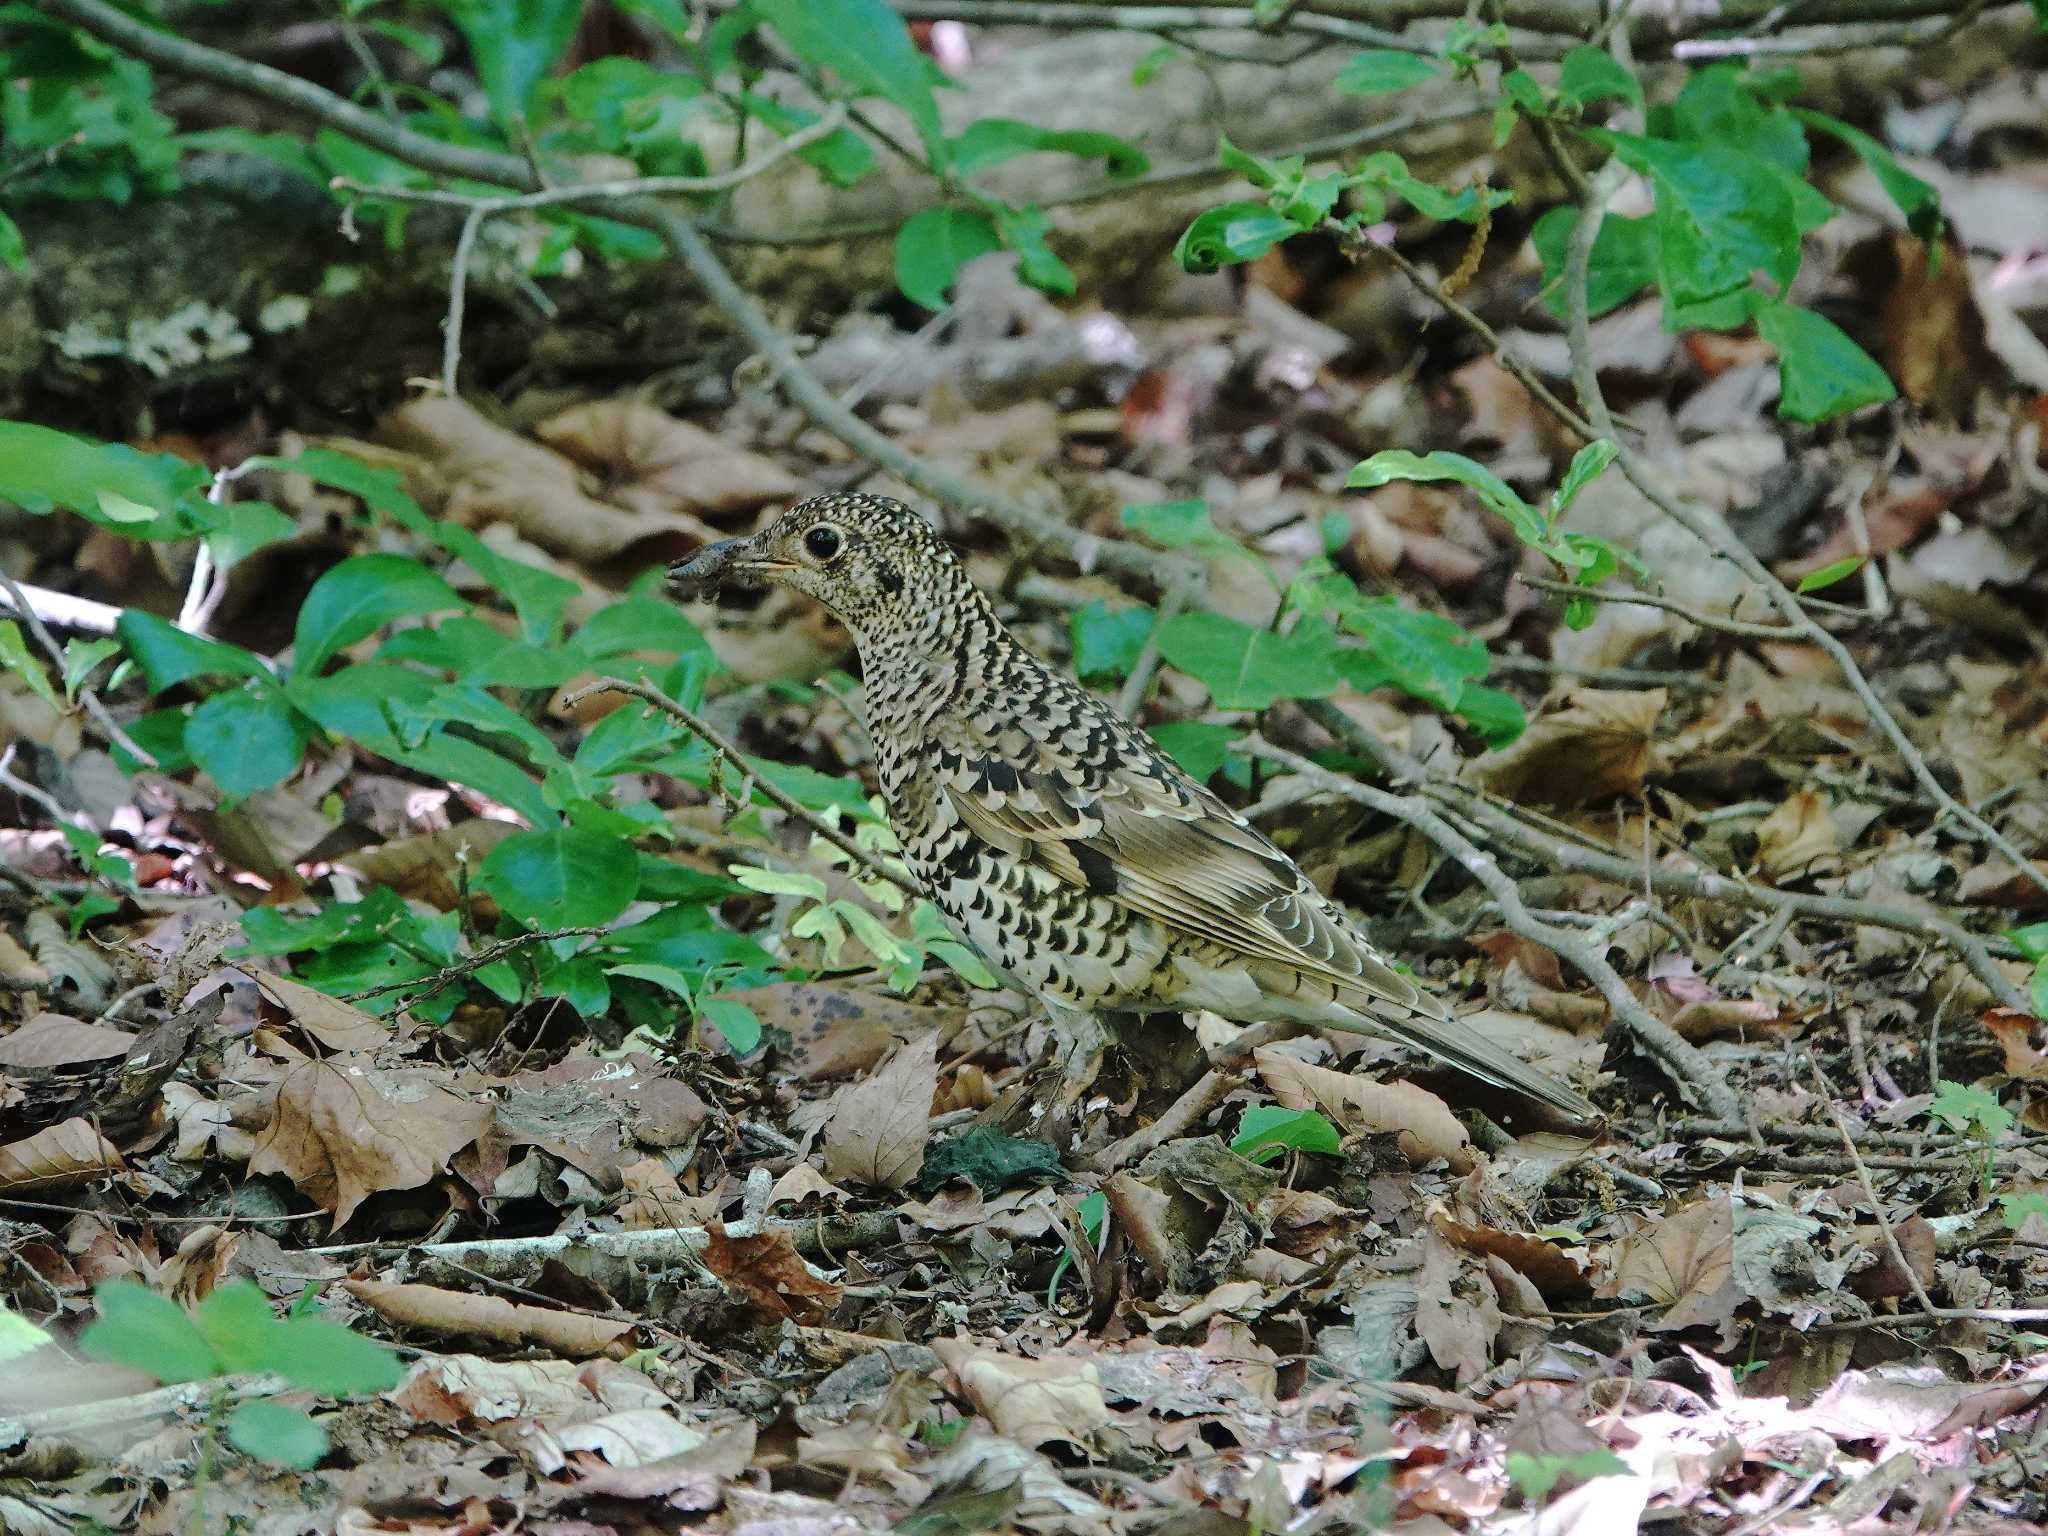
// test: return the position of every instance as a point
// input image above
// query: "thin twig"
(1131, 698)
(453, 972)
(1745, 628)
(715, 739)
(1884, 1223)
(1671, 1051)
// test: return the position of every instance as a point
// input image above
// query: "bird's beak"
(739, 561)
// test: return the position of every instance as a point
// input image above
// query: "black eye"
(822, 541)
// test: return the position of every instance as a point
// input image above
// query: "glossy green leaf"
(1828, 575)
(1266, 1130)
(13, 250)
(868, 46)
(2031, 941)
(1622, 263)
(561, 878)
(1593, 74)
(1822, 373)
(1247, 668)
(515, 45)
(1107, 641)
(992, 140)
(270, 1431)
(16, 657)
(1236, 232)
(1377, 71)
(734, 1020)
(41, 468)
(1399, 464)
(934, 245)
(242, 527)
(1721, 215)
(1916, 199)
(358, 596)
(246, 739)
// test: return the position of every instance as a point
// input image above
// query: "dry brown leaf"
(2015, 1034)
(343, 1130)
(1885, 1280)
(494, 475)
(803, 1182)
(861, 1446)
(1595, 745)
(60, 1155)
(771, 1275)
(1423, 1125)
(1798, 838)
(655, 464)
(839, 1031)
(423, 868)
(658, 1200)
(57, 1040)
(459, 1389)
(1686, 1262)
(1029, 1401)
(1554, 1272)
(879, 1127)
(16, 963)
(1457, 1313)
(340, 1027)
(488, 1317)
(1932, 335)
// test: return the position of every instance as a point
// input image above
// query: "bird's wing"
(1098, 807)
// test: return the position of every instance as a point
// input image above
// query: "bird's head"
(874, 562)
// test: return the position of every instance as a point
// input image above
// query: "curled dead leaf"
(1423, 1125)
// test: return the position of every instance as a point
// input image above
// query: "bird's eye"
(822, 541)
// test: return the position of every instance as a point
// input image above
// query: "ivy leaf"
(1821, 372)
(934, 245)
(564, 877)
(1233, 233)
(1377, 71)
(1247, 668)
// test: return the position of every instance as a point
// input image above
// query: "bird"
(1081, 863)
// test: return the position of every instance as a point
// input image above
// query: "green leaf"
(41, 468)
(326, 1357)
(1622, 263)
(1522, 89)
(16, 657)
(992, 140)
(561, 878)
(1586, 466)
(1266, 1130)
(1821, 372)
(1196, 745)
(1107, 641)
(1593, 74)
(1466, 204)
(2018, 1207)
(1247, 668)
(1023, 232)
(1720, 214)
(1377, 71)
(514, 44)
(734, 1020)
(169, 655)
(1498, 717)
(13, 250)
(843, 157)
(1829, 574)
(242, 527)
(358, 596)
(1233, 233)
(1916, 199)
(934, 245)
(1534, 1474)
(246, 740)
(1180, 525)
(19, 1336)
(868, 46)
(1399, 464)
(272, 1432)
(2037, 990)
(81, 657)
(1963, 1107)
(147, 1332)
(2031, 941)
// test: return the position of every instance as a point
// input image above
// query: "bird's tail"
(1469, 1051)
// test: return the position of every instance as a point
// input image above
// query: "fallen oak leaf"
(342, 1130)
(770, 1274)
